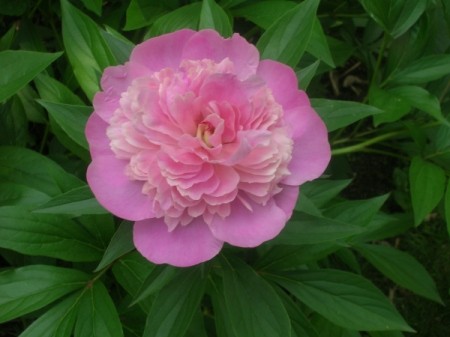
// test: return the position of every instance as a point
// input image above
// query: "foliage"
(379, 72)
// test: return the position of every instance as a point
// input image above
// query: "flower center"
(204, 130)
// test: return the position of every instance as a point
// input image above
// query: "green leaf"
(423, 70)
(93, 5)
(447, 207)
(141, 13)
(401, 268)
(395, 16)
(318, 44)
(326, 328)
(33, 111)
(287, 39)
(306, 75)
(26, 167)
(121, 243)
(52, 90)
(338, 114)
(321, 191)
(26, 289)
(45, 235)
(421, 99)
(120, 46)
(309, 229)
(183, 17)
(71, 118)
(427, 186)
(18, 194)
(174, 307)
(97, 314)
(155, 281)
(19, 67)
(56, 322)
(87, 50)
(76, 202)
(346, 299)
(214, 17)
(13, 123)
(253, 306)
(394, 107)
(7, 39)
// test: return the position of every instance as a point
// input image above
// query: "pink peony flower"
(200, 142)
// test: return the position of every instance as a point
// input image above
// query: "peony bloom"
(200, 142)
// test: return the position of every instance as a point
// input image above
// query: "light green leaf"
(338, 114)
(423, 70)
(121, 243)
(97, 314)
(427, 186)
(19, 67)
(253, 306)
(214, 17)
(56, 322)
(401, 268)
(87, 50)
(52, 90)
(309, 229)
(287, 39)
(346, 299)
(174, 307)
(26, 289)
(45, 235)
(120, 46)
(318, 44)
(394, 106)
(26, 167)
(321, 191)
(76, 202)
(71, 119)
(306, 75)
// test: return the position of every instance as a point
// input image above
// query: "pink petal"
(115, 191)
(209, 44)
(183, 247)
(245, 228)
(287, 199)
(163, 51)
(96, 136)
(311, 153)
(282, 80)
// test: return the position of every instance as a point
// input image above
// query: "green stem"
(363, 145)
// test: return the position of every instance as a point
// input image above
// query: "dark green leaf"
(427, 185)
(19, 67)
(318, 44)
(52, 90)
(287, 39)
(321, 191)
(97, 314)
(13, 123)
(394, 107)
(94, 6)
(26, 167)
(120, 244)
(56, 322)
(18, 194)
(33, 110)
(214, 17)
(142, 13)
(262, 13)
(337, 114)
(346, 299)
(401, 268)
(120, 46)
(155, 281)
(175, 305)
(45, 235)
(26, 289)
(447, 207)
(254, 308)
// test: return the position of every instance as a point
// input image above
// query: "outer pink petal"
(115, 191)
(183, 247)
(287, 199)
(282, 80)
(311, 153)
(96, 136)
(245, 228)
(209, 44)
(162, 51)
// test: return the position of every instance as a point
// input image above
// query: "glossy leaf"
(45, 235)
(338, 114)
(214, 17)
(287, 39)
(346, 299)
(26, 289)
(19, 67)
(175, 305)
(97, 314)
(253, 306)
(427, 185)
(401, 268)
